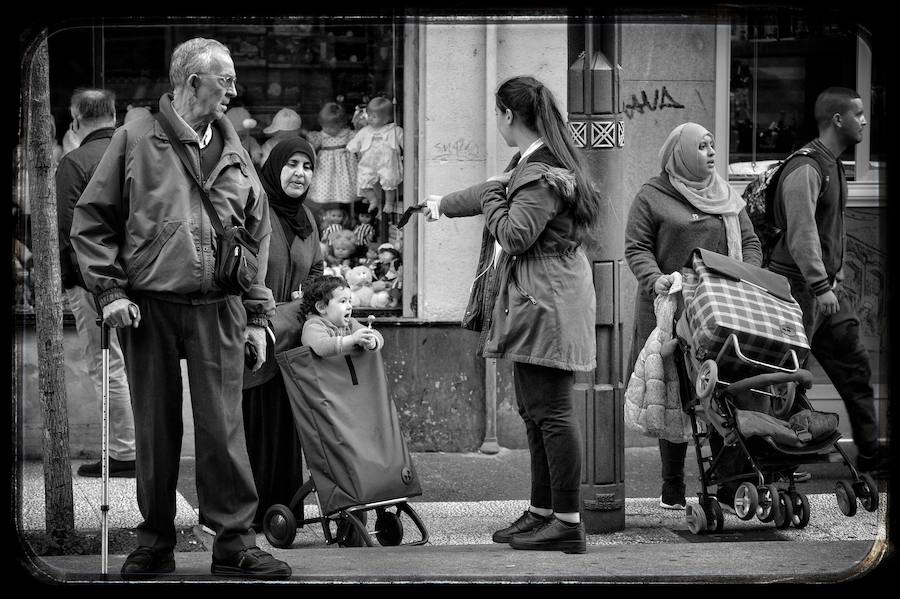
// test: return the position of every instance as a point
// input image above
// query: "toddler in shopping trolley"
(330, 329)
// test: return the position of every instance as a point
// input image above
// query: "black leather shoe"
(526, 522)
(556, 535)
(144, 563)
(251, 562)
(117, 469)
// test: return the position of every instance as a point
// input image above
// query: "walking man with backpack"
(808, 208)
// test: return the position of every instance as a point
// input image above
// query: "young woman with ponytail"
(533, 299)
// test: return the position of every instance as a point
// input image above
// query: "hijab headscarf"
(289, 209)
(679, 157)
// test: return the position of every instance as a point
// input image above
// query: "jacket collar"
(104, 133)
(229, 135)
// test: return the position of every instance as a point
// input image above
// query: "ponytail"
(534, 104)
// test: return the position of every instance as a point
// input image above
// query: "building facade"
(743, 77)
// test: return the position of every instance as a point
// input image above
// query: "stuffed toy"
(652, 397)
(360, 280)
(381, 299)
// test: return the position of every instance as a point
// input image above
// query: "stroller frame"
(710, 399)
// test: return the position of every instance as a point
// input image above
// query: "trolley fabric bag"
(724, 296)
(348, 427)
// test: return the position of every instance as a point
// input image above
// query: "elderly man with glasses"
(147, 251)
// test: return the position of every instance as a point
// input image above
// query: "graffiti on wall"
(458, 150)
(661, 99)
(866, 286)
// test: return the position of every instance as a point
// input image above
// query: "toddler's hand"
(364, 337)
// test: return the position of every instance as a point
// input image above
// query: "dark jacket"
(141, 224)
(289, 268)
(539, 301)
(72, 175)
(662, 230)
(812, 247)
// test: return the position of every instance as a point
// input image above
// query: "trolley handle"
(732, 338)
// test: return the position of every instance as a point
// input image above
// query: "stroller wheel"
(800, 505)
(696, 519)
(715, 520)
(867, 492)
(746, 500)
(784, 519)
(707, 377)
(768, 503)
(347, 533)
(846, 498)
(388, 528)
(280, 526)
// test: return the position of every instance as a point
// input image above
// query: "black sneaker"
(526, 522)
(117, 469)
(251, 562)
(555, 535)
(144, 563)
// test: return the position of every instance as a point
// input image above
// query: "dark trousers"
(672, 460)
(544, 398)
(834, 341)
(211, 338)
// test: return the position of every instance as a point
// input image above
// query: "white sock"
(540, 511)
(569, 517)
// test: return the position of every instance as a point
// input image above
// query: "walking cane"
(104, 448)
(104, 442)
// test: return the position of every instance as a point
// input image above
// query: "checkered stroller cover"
(724, 296)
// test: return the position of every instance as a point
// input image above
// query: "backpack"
(760, 197)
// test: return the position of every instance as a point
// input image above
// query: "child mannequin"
(343, 247)
(335, 179)
(379, 145)
(364, 230)
(333, 217)
(330, 329)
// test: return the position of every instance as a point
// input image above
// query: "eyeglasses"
(224, 81)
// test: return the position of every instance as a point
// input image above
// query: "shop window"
(285, 67)
(779, 64)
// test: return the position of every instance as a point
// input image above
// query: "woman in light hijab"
(687, 205)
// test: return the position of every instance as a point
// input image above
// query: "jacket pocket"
(146, 255)
(515, 280)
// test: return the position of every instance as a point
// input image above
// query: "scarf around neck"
(680, 159)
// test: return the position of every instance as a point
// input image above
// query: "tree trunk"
(60, 515)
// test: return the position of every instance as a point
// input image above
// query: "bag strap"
(181, 151)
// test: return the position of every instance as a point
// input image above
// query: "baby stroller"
(356, 456)
(741, 341)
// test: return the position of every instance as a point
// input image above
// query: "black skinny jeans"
(544, 398)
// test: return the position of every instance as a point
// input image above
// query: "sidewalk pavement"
(467, 496)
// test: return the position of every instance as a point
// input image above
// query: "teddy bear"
(360, 280)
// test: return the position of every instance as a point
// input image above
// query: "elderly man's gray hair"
(193, 56)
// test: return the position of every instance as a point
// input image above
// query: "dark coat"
(539, 305)
(72, 175)
(288, 269)
(663, 229)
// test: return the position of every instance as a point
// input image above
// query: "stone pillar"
(598, 130)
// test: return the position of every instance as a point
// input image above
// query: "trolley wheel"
(846, 498)
(707, 377)
(280, 526)
(388, 528)
(715, 519)
(784, 519)
(868, 497)
(348, 535)
(768, 503)
(746, 500)
(696, 519)
(800, 507)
